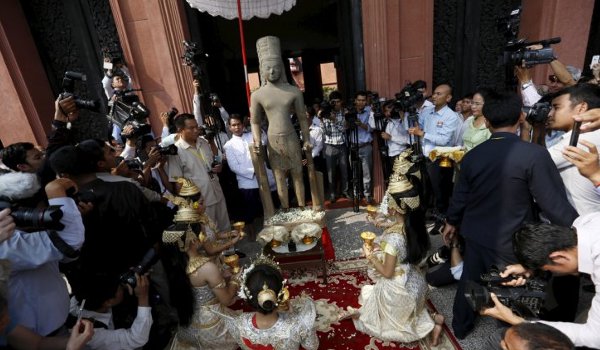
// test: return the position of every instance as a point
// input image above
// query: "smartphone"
(595, 59)
(575, 134)
(107, 65)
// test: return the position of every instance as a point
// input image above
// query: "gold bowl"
(308, 239)
(239, 226)
(232, 261)
(368, 237)
(275, 243)
(445, 162)
(372, 211)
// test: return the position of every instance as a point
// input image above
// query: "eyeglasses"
(553, 78)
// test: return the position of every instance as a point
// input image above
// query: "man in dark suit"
(502, 183)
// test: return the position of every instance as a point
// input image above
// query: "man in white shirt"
(194, 161)
(567, 103)
(562, 251)
(238, 158)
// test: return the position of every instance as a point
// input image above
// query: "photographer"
(567, 103)
(396, 132)
(563, 251)
(335, 151)
(363, 140)
(39, 299)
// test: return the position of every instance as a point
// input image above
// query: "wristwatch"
(526, 85)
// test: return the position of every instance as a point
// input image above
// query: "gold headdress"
(266, 293)
(188, 187)
(401, 194)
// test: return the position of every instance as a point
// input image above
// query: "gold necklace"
(195, 263)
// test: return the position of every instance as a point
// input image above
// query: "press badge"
(440, 124)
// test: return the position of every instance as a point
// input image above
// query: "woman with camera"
(393, 308)
(276, 324)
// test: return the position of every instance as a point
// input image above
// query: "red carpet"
(345, 279)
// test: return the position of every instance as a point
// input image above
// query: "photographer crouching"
(562, 251)
(38, 295)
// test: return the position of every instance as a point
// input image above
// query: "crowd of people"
(522, 197)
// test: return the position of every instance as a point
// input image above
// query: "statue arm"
(301, 114)
(256, 115)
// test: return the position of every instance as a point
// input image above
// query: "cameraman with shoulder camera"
(562, 251)
(38, 295)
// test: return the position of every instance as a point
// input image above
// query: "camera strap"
(62, 246)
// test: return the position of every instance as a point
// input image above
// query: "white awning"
(250, 8)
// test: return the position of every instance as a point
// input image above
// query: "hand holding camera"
(65, 109)
(501, 312)
(7, 225)
(141, 289)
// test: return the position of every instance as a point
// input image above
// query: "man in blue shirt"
(365, 149)
(438, 126)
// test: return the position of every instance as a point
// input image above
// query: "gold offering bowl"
(275, 243)
(233, 261)
(239, 226)
(368, 237)
(372, 211)
(308, 239)
(445, 162)
(284, 302)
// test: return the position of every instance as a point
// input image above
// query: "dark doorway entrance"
(310, 30)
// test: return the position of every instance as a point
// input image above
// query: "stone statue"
(277, 99)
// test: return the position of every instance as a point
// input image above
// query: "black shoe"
(439, 257)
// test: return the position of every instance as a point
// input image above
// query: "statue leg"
(298, 185)
(282, 190)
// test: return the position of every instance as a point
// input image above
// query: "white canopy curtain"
(243, 10)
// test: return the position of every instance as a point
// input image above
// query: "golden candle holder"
(233, 261)
(285, 298)
(445, 162)
(372, 211)
(368, 237)
(308, 240)
(239, 226)
(275, 243)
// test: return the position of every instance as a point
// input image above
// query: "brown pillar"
(398, 43)
(570, 20)
(151, 34)
(26, 99)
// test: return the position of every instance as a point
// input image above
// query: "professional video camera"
(169, 150)
(128, 278)
(407, 99)
(193, 57)
(68, 87)
(34, 219)
(538, 113)
(525, 301)
(351, 116)
(134, 114)
(516, 52)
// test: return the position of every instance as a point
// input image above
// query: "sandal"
(438, 319)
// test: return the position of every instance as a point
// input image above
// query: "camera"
(516, 52)
(525, 301)
(193, 57)
(134, 114)
(35, 219)
(147, 261)
(326, 109)
(170, 150)
(538, 113)
(407, 98)
(68, 87)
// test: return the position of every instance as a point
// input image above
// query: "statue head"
(269, 59)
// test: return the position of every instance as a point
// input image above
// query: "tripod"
(355, 165)
(381, 124)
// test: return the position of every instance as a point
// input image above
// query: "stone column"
(151, 34)
(26, 99)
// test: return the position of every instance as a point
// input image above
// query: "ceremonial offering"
(306, 233)
(372, 211)
(273, 235)
(239, 226)
(275, 243)
(368, 237)
(447, 155)
(233, 261)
